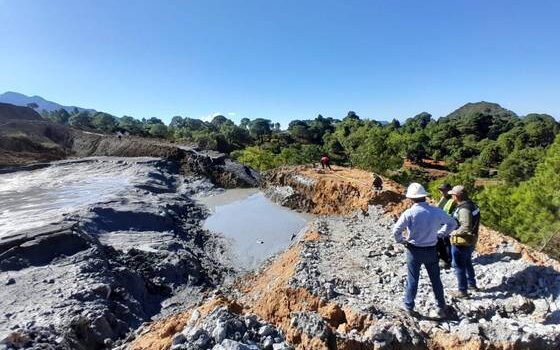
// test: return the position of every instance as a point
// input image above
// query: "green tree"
(82, 120)
(300, 130)
(157, 130)
(244, 123)
(130, 125)
(490, 153)
(520, 165)
(260, 128)
(104, 122)
(176, 122)
(531, 210)
(220, 120)
(541, 129)
(257, 158)
(417, 123)
(60, 116)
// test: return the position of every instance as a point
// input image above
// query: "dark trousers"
(462, 261)
(444, 250)
(415, 258)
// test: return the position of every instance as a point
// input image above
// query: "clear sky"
(283, 59)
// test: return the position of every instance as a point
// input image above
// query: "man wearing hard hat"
(424, 224)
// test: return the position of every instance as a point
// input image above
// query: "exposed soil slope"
(338, 192)
(26, 138)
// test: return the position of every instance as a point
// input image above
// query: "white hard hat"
(415, 190)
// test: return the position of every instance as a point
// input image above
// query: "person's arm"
(448, 224)
(465, 221)
(399, 227)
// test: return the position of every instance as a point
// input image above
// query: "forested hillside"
(509, 162)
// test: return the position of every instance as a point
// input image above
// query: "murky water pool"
(30, 199)
(257, 227)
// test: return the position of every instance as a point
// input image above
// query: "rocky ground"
(340, 286)
(88, 279)
(518, 305)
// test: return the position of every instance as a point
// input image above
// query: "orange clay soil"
(443, 341)
(345, 190)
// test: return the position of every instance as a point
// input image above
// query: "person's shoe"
(410, 312)
(443, 312)
(459, 294)
(474, 288)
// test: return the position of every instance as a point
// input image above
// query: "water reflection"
(257, 227)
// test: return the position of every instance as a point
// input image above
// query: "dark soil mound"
(11, 112)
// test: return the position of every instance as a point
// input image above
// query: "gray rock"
(266, 330)
(178, 338)
(219, 333)
(267, 343)
(228, 344)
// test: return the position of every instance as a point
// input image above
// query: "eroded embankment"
(26, 139)
(105, 267)
(339, 192)
(341, 286)
(216, 167)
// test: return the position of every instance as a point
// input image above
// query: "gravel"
(519, 302)
(222, 329)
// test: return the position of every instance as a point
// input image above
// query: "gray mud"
(46, 195)
(256, 227)
(128, 247)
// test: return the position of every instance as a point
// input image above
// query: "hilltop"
(482, 107)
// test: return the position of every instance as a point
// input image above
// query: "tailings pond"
(256, 227)
(34, 198)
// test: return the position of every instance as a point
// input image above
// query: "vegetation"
(531, 210)
(516, 157)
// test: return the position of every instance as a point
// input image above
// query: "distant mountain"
(18, 99)
(481, 107)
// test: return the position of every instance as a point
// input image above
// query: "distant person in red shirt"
(325, 162)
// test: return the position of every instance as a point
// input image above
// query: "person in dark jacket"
(377, 183)
(463, 240)
(447, 204)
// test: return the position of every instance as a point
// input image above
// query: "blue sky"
(283, 59)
